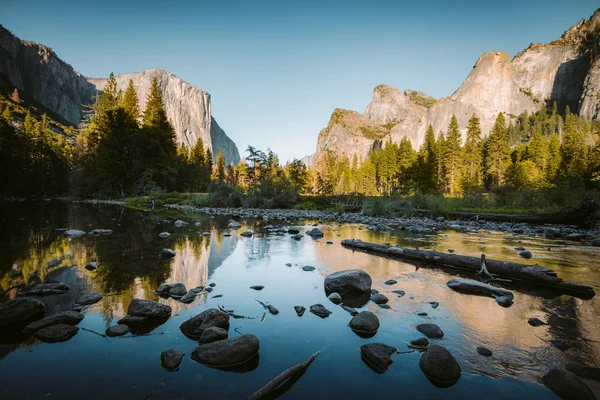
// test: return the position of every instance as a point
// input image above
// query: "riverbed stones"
(179, 223)
(148, 308)
(296, 236)
(526, 254)
(432, 331)
(232, 224)
(56, 333)
(188, 297)
(227, 352)
(171, 359)
(195, 326)
(308, 268)
(379, 299)
(364, 322)
(257, 287)
(164, 235)
(391, 282)
(167, 253)
(378, 356)
(213, 334)
(65, 317)
(247, 234)
(584, 371)
(419, 343)
(117, 330)
(73, 233)
(484, 351)
(434, 304)
(399, 293)
(440, 366)
(320, 310)
(349, 281)
(535, 322)
(335, 298)
(315, 233)
(163, 288)
(14, 314)
(177, 290)
(130, 320)
(299, 310)
(87, 299)
(567, 385)
(470, 286)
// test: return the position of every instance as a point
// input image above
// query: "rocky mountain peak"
(584, 30)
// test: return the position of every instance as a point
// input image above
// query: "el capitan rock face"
(42, 77)
(188, 108)
(566, 70)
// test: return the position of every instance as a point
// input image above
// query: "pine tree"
(497, 153)
(29, 124)
(220, 168)
(198, 165)
(439, 166)
(7, 115)
(208, 166)
(15, 96)
(453, 158)
(130, 101)
(472, 156)
(110, 96)
(427, 162)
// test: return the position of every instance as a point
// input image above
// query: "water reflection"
(130, 268)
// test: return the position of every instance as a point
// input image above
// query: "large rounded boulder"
(195, 326)
(440, 367)
(65, 317)
(377, 356)
(364, 323)
(14, 314)
(567, 385)
(227, 352)
(148, 308)
(351, 281)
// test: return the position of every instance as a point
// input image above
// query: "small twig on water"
(263, 317)
(234, 315)
(96, 333)
(236, 329)
(405, 352)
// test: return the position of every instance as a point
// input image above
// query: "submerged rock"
(583, 371)
(350, 310)
(484, 351)
(349, 281)
(117, 330)
(87, 299)
(299, 310)
(434, 304)
(227, 352)
(391, 282)
(432, 331)
(56, 333)
(14, 314)
(378, 356)
(257, 287)
(308, 268)
(315, 232)
(364, 322)
(379, 299)
(296, 237)
(560, 344)
(567, 385)
(147, 308)
(195, 326)
(171, 359)
(320, 310)
(167, 253)
(213, 334)
(133, 321)
(65, 317)
(535, 322)
(439, 366)
(400, 293)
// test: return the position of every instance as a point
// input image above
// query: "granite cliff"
(566, 70)
(44, 79)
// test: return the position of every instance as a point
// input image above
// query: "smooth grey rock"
(87, 299)
(133, 321)
(384, 306)
(504, 301)
(526, 254)
(65, 317)
(213, 334)
(349, 281)
(91, 266)
(177, 290)
(315, 232)
(56, 333)
(434, 304)
(164, 235)
(567, 385)
(179, 223)
(308, 268)
(320, 310)
(296, 237)
(148, 308)
(420, 342)
(379, 299)
(335, 298)
(400, 293)
(171, 359)
(100, 232)
(364, 322)
(212, 317)
(257, 287)
(188, 297)
(247, 234)
(391, 282)
(299, 310)
(378, 356)
(432, 331)
(167, 253)
(163, 288)
(117, 330)
(16, 313)
(484, 351)
(227, 352)
(439, 365)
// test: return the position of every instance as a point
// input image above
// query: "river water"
(91, 367)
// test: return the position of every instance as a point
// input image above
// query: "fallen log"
(279, 379)
(523, 272)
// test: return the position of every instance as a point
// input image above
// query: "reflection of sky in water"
(92, 367)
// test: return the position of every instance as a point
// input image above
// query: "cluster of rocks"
(179, 292)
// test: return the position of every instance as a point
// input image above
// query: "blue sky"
(277, 69)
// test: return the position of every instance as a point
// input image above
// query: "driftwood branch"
(96, 333)
(529, 273)
(233, 314)
(281, 378)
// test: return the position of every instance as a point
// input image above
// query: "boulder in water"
(567, 385)
(171, 359)
(349, 281)
(440, 367)
(195, 326)
(364, 322)
(65, 317)
(177, 290)
(167, 253)
(320, 310)
(56, 333)
(227, 352)
(432, 331)
(148, 308)
(377, 356)
(213, 334)
(14, 314)
(89, 298)
(117, 330)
